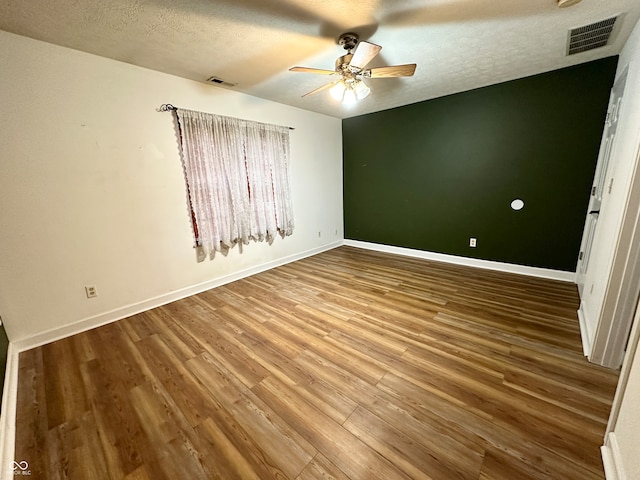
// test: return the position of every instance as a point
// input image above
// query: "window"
(238, 179)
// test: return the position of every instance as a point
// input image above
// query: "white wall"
(92, 189)
(626, 433)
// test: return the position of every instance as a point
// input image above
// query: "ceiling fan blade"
(319, 89)
(312, 70)
(393, 71)
(363, 54)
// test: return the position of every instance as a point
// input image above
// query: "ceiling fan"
(350, 87)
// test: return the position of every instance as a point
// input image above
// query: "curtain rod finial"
(165, 107)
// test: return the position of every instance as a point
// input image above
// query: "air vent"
(591, 36)
(219, 81)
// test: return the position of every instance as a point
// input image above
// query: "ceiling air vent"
(219, 81)
(591, 36)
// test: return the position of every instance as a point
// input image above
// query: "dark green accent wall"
(429, 176)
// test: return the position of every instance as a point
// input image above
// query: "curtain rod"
(166, 107)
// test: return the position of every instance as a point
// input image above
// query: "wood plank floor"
(347, 365)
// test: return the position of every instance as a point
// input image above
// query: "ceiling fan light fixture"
(349, 97)
(361, 89)
(337, 91)
(349, 91)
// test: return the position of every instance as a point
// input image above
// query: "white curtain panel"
(238, 178)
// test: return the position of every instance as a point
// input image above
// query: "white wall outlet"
(91, 290)
(472, 242)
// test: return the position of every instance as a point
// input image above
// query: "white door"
(599, 188)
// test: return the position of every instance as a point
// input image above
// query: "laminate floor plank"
(411, 456)
(277, 439)
(320, 468)
(351, 455)
(109, 405)
(350, 364)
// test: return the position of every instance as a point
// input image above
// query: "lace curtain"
(238, 179)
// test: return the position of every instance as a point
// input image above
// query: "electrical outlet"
(91, 290)
(472, 242)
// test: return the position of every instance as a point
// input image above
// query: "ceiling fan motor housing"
(348, 41)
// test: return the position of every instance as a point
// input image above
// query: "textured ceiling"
(457, 44)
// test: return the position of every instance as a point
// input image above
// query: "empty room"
(320, 239)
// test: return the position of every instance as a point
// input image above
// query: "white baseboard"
(9, 398)
(611, 460)
(126, 311)
(469, 262)
(585, 332)
(8, 417)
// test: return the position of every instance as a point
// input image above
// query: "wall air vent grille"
(218, 81)
(591, 36)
